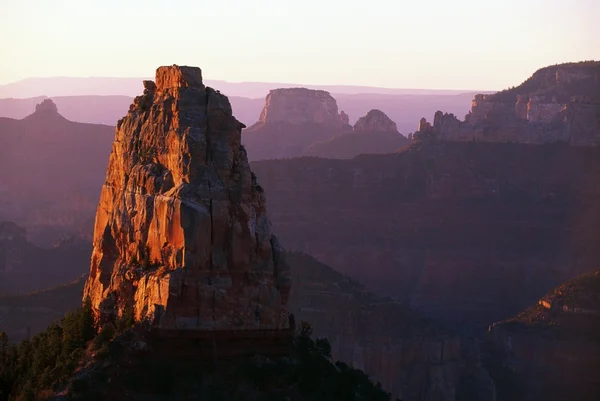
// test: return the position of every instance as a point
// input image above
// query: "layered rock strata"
(181, 234)
(558, 103)
(301, 105)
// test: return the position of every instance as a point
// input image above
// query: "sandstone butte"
(291, 121)
(375, 121)
(181, 233)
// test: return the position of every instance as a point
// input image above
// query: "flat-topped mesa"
(301, 106)
(375, 121)
(182, 236)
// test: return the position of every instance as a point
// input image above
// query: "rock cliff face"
(181, 234)
(558, 103)
(374, 133)
(291, 121)
(552, 348)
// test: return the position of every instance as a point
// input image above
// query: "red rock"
(181, 231)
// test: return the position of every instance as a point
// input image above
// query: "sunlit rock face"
(181, 232)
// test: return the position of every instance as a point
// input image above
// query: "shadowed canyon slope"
(451, 227)
(557, 103)
(181, 234)
(552, 348)
(50, 171)
(412, 357)
(24, 267)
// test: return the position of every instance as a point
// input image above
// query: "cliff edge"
(557, 103)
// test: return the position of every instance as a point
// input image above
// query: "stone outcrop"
(25, 267)
(375, 121)
(181, 234)
(558, 103)
(47, 106)
(291, 121)
(344, 118)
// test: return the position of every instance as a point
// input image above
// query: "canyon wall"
(558, 103)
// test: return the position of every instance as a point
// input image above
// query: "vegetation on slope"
(539, 84)
(68, 359)
(581, 319)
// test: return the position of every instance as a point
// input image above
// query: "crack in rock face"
(182, 236)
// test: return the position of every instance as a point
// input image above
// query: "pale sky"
(434, 44)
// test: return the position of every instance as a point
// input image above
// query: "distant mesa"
(301, 106)
(47, 106)
(375, 121)
(182, 236)
(45, 110)
(557, 103)
(292, 120)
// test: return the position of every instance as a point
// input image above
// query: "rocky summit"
(375, 121)
(181, 235)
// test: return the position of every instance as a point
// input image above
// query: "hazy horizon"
(468, 44)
